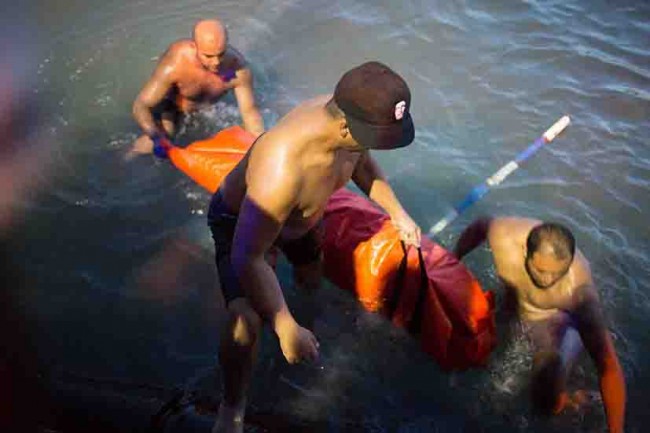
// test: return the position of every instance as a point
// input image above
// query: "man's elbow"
(483, 223)
(242, 262)
(474, 234)
(137, 108)
(480, 228)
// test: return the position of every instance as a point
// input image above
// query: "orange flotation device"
(428, 292)
(207, 162)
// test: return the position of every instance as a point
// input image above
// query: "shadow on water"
(108, 296)
(20, 387)
(111, 272)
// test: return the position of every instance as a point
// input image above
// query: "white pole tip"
(557, 128)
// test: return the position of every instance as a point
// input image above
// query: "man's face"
(544, 269)
(210, 54)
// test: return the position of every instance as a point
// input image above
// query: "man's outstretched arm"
(270, 198)
(253, 121)
(598, 342)
(370, 179)
(473, 236)
(152, 94)
(256, 230)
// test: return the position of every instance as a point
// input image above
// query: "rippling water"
(118, 279)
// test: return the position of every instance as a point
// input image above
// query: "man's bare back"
(296, 148)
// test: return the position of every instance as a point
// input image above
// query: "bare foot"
(229, 420)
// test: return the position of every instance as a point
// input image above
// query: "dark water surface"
(108, 264)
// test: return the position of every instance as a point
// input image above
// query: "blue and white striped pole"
(480, 190)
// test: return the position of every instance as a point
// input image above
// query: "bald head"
(209, 32)
(211, 40)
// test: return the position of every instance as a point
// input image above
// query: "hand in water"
(409, 231)
(297, 343)
(161, 146)
(572, 401)
(144, 145)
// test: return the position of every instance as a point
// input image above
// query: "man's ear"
(344, 130)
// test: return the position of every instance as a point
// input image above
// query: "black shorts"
(222, 222)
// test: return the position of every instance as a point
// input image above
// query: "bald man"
(190, 75)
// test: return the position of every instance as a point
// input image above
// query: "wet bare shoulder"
(585, 301)
(300, 124)
(512, 226)
(507, 237)
(581, 270)
(234, 59)
(506, 232)
(271, 173)
(271, 156)
(177, 50)
(169, 62)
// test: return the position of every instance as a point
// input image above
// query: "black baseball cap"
(376, 103)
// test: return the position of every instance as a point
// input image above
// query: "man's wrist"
(396, 212)
(281, 320)
(158, 137)
(154, 132)
(161, 147)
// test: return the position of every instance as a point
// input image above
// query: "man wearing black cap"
(276, 196)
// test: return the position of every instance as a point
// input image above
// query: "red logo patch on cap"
(400, 107)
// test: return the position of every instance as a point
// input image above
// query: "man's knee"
(547, 382)
(244, 324)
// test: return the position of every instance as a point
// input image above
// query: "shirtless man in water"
(558, 303)
(192, 74)
(276, 196)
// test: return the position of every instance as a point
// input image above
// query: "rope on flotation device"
(414, 323)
